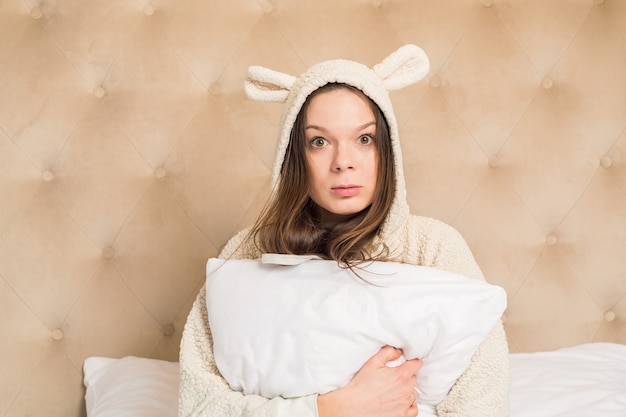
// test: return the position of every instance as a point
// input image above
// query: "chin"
(341, 212)
(351, 211)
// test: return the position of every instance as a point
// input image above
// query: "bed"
(580, 381)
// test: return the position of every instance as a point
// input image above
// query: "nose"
(343, 158)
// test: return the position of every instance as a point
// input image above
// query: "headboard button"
(36, 13)
(160, 173)
(108, 253)
(47, 176)
(606, 161)
(547, 83)
(57, 334)
(435, 81)
(267, 6)
(99, 92)
(377, 3)
(215, 89)
(609, 316)
(149, 10)
(552, 239)
(494, 162)
(168, 329)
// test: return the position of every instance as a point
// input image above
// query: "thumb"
(385, 354)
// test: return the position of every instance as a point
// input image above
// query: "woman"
(338, 192)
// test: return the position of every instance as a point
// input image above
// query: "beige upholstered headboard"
(129, 155)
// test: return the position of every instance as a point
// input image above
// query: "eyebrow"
(358, 129)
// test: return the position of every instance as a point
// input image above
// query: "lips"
(347, 190)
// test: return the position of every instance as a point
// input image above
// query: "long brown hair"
(289, 223)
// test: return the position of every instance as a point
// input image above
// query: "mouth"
(346, 190)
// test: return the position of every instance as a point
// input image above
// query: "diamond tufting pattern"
(129, 155)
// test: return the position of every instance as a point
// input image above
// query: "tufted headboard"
(129, 155)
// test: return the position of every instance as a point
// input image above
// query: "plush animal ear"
(406, 66)
(263, 84)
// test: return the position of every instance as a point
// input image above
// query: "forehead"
(339, 105)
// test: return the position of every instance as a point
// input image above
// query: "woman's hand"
(376, 390)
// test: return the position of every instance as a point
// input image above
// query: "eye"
(318, 142)
(366, 139)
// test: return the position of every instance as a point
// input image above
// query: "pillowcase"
(297, 330)
(130, 387)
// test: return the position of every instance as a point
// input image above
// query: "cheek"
(315, 166)
(312, 172)
(374, 167)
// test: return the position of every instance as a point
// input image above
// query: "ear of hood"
(404, 67)
(407, 65)
(263, 84)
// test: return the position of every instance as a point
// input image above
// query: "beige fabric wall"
(129, 155)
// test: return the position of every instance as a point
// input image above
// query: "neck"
(329, 220)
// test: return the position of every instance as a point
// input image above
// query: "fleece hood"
(404, 67)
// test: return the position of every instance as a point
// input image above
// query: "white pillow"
(292, 331)
(130, 387)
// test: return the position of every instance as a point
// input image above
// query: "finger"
(384, 355)
(413, 365)
(410, 369)
(413, 407)
(412, 398)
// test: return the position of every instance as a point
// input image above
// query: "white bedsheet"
(582, 381)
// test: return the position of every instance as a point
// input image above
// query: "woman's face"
(342, 158)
